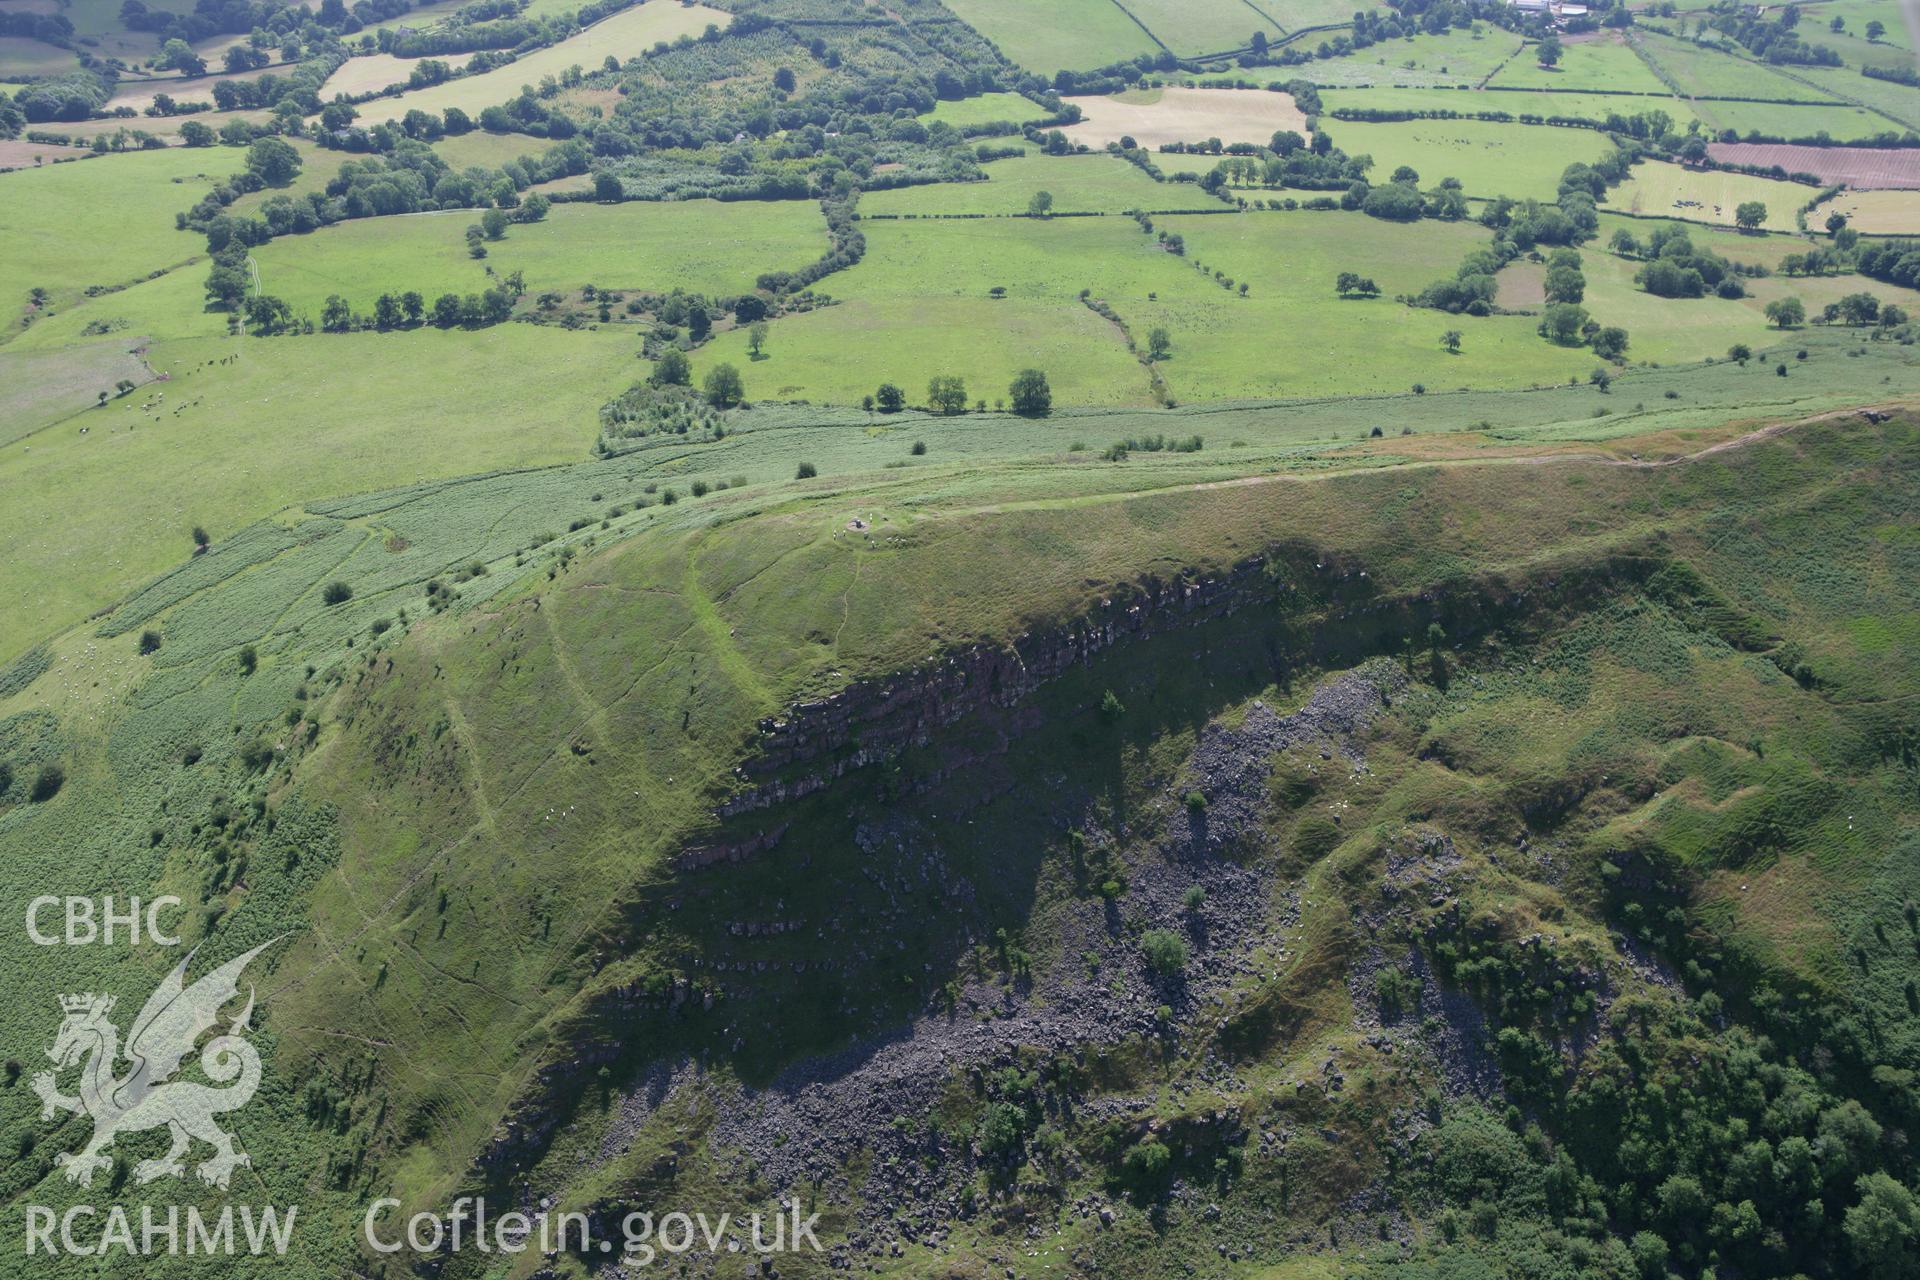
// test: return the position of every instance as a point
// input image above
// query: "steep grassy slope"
(479, 822)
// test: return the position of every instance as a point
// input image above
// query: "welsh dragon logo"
(146, 1097)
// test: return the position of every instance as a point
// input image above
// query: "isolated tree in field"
(1891, 317)
(178, 55)
(756, 338)
(1030, 395)
(1876, 29)
(1563, 323)
(336, 593)
(889, 398)
(672, 369)
(1787, 313)
(200, 539)
(273, 161)
(1740, 353)
(533, 208)
(1565, 284)
(1609, 343)
(1624, 244)
(607, 188)
(1348, 285)
(1041, 205)
(1159, 344)
(1749, 215)
(723, 386)
(947, 394)
(805, 471)
(493, 223)
(1548, 52)
(1451, 340)
(784, 80)
(1836, 222)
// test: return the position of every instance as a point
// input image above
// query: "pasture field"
(1292, 15)
(703, 246)
(167, 127)
(986, 108)
(1573, 106)
(1078, 184)
(1841, 121)
(1664, 330)
(1599, 62)
(627, 34)
(103, 221)
(1858, 13)
(1664, 190)
(138, 95)
(25, 59)
(372, 72)
(243, 428)
(1194, 27)
(28, 155)
(171, 305)
(45, 386)
(1490, 159)
(1899, 104)
(1700, 70)
(318, 166)
(1887, 213)
(483, 149)
(1735, 246)
(1046, 36)
(1460, 57)
(1155, 117)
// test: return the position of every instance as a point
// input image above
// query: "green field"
(103, 221)
(1460, 57)
(1078, 184)
(1664, 190)
(1191, 27)
(1575, 106)
(24, 59)
(1898, 104)
(242, 428)
(1593, 62)
(1706, 72)
(627, 34)
(986, 108)
(923, 282)
(704, 246)
(1056, 35)
(1522, 161)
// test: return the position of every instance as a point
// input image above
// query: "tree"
(806, 471)
(890, 398)
(386, 312)
(1548, 52)
(1159, 343)
(493, 223)
(336, 316)
(195, 134)
(1041, 205)
(446, 310)
(533, 209)
(1565, 284)
(1740, 353)
(1859, 308)
(413, 305)
(178, 55)
(1451, 340)
(756, 338)
(1883, 1229)
(672, 369)
(1787, 313)
(1164, 951)
(336, 593)
(723, 386)
(1030, 395)
(1610, 343)
(1601, 377)
(273, 161)
(1563, 323)
(1876, 29)
(784, 80)
(947, 394)
(607, 188)
(1749, 215)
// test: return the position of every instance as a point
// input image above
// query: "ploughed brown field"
(1890, 168)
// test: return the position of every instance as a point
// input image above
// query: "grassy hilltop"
(1238, 639)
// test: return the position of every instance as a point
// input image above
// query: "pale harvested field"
(22, 155)
(1156, 117)
(1887, 213)
(139, 94)
(372, 72)
(1868, 168)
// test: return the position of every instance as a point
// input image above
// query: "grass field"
(626, 34)
(45, 386)
(1700, 70)
(1458, 57)
(372, 72)
(138, 95)
(1841, 121)
(486, 150)
(1735, 246)
(1577, 106)
(1674, 191)
(1599, 62)
(986, 108)
(1078, 184)
(1155, 117)
(24, 59)
(1858, 13)
(103, 221)
(705, 246)
(222, 444)
(1055, 35)
(925, 281)
(1898, 102)
(1893, 213)
(1489, 159)
(1191, 27)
